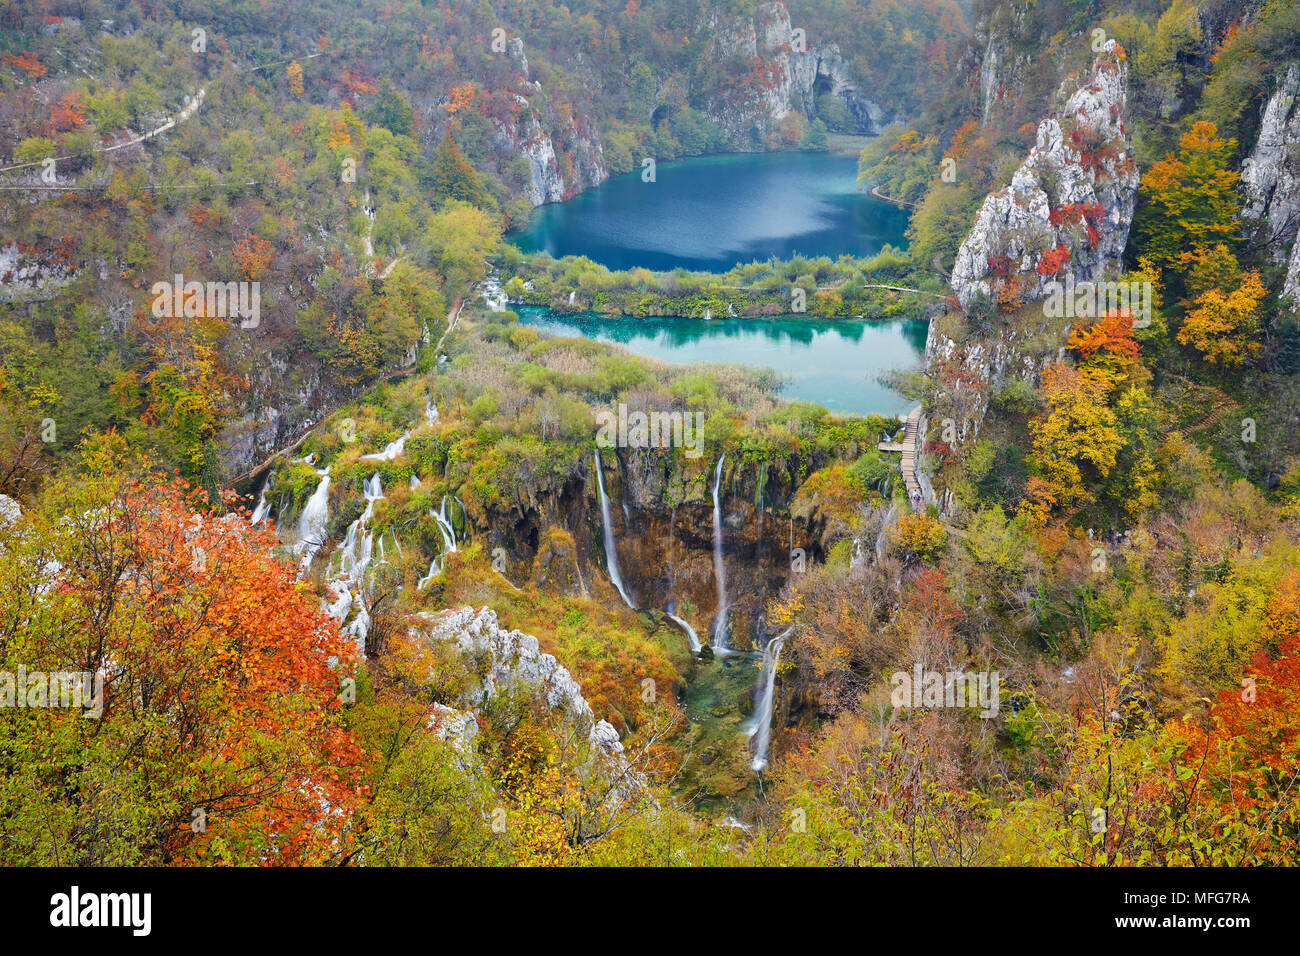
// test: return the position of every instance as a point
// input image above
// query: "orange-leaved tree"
(217, 734)
(1241, 769)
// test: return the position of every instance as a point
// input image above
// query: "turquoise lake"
(713, 212)
(832, 363)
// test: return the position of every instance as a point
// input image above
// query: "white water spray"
(760, 728)
(690, 632)
(719, 636)
(448, 531)
(312, 521)
(391, 450)
(262, 508)
(607, 536)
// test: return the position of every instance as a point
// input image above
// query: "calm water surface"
(834, 364)
(713, 212)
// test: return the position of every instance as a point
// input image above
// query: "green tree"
(1189, 199)
(455, 179)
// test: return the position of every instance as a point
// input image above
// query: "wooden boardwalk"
(907, 447)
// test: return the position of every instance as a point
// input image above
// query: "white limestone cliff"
(1074, 192)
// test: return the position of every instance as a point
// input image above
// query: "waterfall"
(415, 482)
(448, 531)
(607, 536)
(311, 524)
(685, 626)
(719, 636)
(572, 295)
(885, 520)
(430, 411)
(355, 555)
(391, 450)
(262, 508)
(760, 728)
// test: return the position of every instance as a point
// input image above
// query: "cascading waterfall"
(448, 531)
(391, 450)
(719, 636)
(262, 508)
(691, 636)
(760, 728)
(355, 555)
(312, 521)
(607, 536)
(885, 520)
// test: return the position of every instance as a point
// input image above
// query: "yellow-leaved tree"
(1223, 326)
(1075, 440)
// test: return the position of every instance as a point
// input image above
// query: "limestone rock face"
(514, 660)
(1068, 209)
(1270, 176)
(459, 727)
(251, 436)
(554, 174)
(26, 276)
(791, 72)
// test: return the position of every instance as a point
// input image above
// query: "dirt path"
(452, 318)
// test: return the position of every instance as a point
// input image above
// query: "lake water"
(712, 212)
(832, 363)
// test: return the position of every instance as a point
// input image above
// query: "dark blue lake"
(712, 212)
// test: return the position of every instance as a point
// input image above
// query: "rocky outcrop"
(554, 173)
(26, 276)
(510, 661)
(969, 371)
(1068, 208)
(777, 69)
(1270, 176)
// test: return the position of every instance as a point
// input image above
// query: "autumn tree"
(1075, 440)
(455, 179)
(1189, 198)
(1107, 347)
(1224, 327)
(294, 71)
(1240, 776)
(462, 237)
(216, 734)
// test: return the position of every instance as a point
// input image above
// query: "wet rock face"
(666, 557)
(1270, 176)
(1068, 209)
(555, 567)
